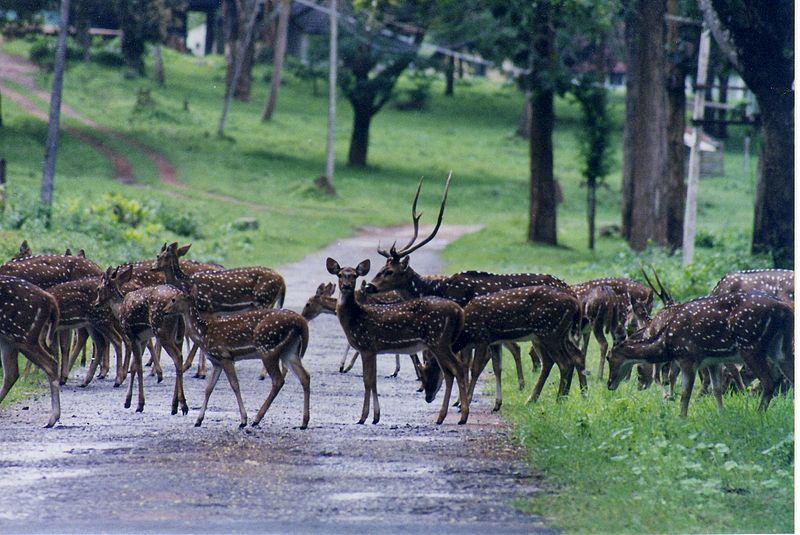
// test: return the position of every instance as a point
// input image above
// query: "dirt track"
(108, 469)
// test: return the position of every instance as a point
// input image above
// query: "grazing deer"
(752, 327)
(27, 314)
(141, 313)
(603, 310)
(323, 302)
(270, 335)
(406, 327)
(776, 282)
(544, 314)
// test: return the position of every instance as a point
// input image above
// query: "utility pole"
(690, 218)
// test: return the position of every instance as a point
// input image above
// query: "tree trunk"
(158, 65)
(277, 59)
(674, 188)
(773, 227)
(591, 208)
(524, 125)
(359, 140)
(51, 145)
(722, 114)
(449, 75)
(649, 197)
(542, 223)
(83, 37)
(237, 42)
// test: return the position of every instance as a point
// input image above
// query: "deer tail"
(303, 337)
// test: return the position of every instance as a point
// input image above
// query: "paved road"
(108, 469)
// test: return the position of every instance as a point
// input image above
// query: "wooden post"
(327, 179)
(690, 219)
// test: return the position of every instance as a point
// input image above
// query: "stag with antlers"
(406, 327)
(753, 327)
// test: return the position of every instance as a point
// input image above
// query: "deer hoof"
(496, 407)
(127, 404)
(376, 420)
(140, 408)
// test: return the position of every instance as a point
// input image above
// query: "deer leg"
(216, 370)
(274, 372)
(368, 363)
(49, 365)
(737, 377)
(479, 360)
(64, 343)
(396, 367)
(514, 349)
(83, 352)
(296, 365)
(178, 397)
(155, 352)
(497, 365)
(672, 374)
(202, 366)
(230, 373)
(27, 371)
(263, 373)
(352, 362)
(536, 356)
(126, 363)
(80, 344)
(715, 375)
(547, 365)
(597, 328)
(688, 375)
(448, 387)
(10, 369)
(99, 351)
(116, 340)
(187, 365)
(344, 358)
(565, 380)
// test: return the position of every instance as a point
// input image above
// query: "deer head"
(396, 272)
(431, 377)
(168, 256)
(109, 288)
(347, 275)
(315, 304)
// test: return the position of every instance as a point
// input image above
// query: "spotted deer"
(27, 315)
(550, 316)
(271, 335)
(397, 275)
(223, 290)
(406, 327)
(751, 327)
(141, 314)
(776, 282)
(323, 302)
(603, 311)
(76, 303)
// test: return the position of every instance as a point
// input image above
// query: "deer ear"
(332, 266)
(164, 247)
(363, 268)
(329, 289)
(404, 261)
(81, 253)
(68, 252)
(183, 250)
(321, 289)
(24, 247)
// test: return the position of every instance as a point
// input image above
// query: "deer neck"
(347, 306)
(175, 276)
(652, 351)
(419, 287)
(196, 324)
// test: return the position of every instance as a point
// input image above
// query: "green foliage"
(141, 21)
(414, 95)
(43, 52)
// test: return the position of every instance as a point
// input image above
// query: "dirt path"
(105, 468)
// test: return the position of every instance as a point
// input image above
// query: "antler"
(409, 248)
(661, 292)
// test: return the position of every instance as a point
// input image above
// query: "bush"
(416, 96)
(43, 52)
(180, 221)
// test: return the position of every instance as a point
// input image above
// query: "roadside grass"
(674, 478)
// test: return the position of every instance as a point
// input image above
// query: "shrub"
(416, 96)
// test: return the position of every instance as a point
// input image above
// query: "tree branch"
(721, 35)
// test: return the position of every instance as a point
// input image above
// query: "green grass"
(619, 461)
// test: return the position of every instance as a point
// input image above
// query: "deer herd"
(51, 305)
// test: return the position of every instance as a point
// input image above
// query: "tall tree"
(141, 21)
(381, 44)
(279, 51)
(758, 40)
(236, 13)
(51, 145)
(652, 200)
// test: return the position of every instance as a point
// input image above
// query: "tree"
(757, 39)
(652, 171)
(236, 14)
(51, 145)
(374, 57)
(141, 21)
(277, 59)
